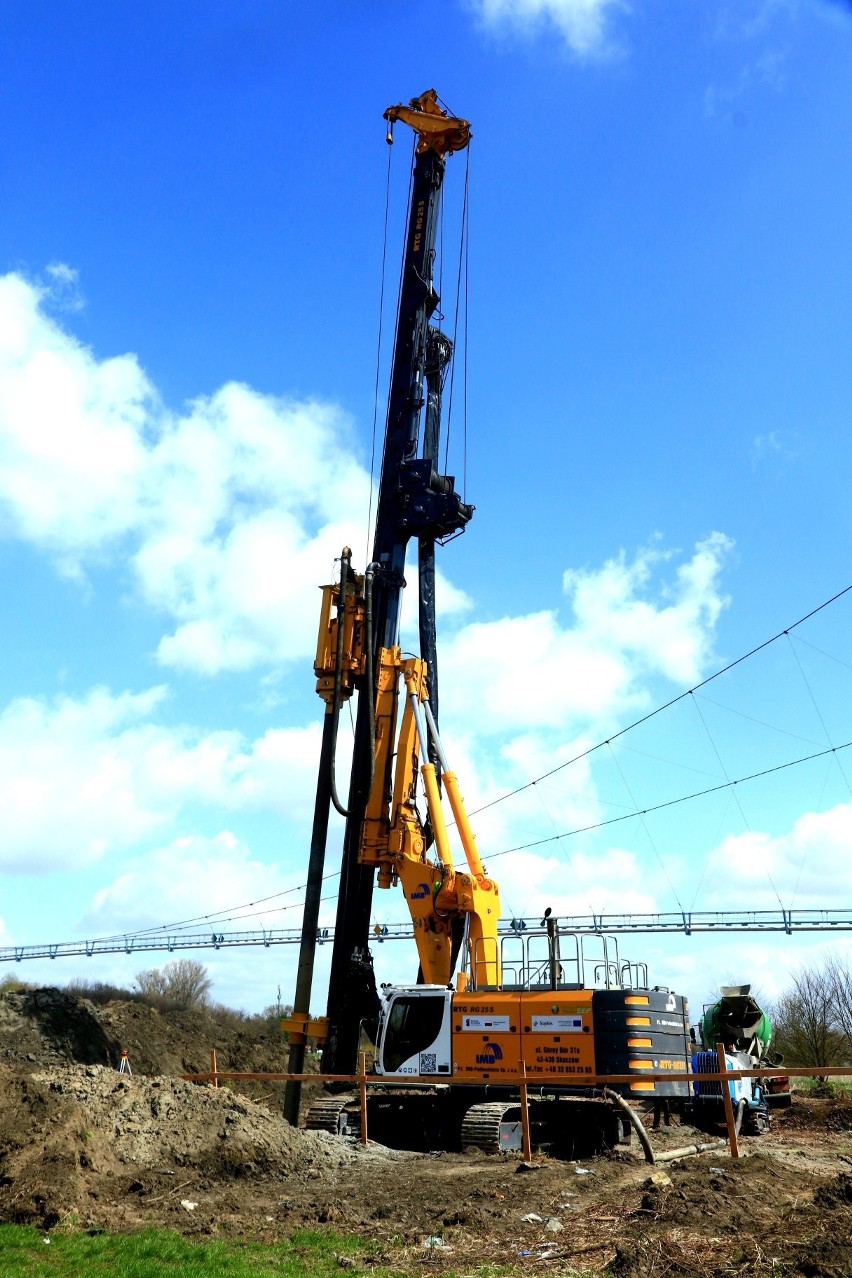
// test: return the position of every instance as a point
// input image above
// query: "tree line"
(812, 1019)
(182, 985)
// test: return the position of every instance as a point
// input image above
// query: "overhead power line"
(232, 913)
(652, 714)
(671, 803)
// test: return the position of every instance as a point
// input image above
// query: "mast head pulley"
(436, 129)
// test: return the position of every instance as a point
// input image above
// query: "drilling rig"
(414, 502)
(557, 1008)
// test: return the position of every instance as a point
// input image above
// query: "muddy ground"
(84, 1145)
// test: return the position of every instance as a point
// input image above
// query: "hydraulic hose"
(370, 673)
(338, 673)
(634, 1120)
(345, 560)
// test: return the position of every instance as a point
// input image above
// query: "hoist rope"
(378, 358)
(466, 234)
(461, 260)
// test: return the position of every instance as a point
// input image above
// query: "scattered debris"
(660, 1179)
(436, 1243)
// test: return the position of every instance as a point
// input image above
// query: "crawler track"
(481, 1127)
(326, 1115)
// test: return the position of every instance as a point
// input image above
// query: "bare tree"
(840, 980)
(183, 983)
(152, 984)
(807, 1029)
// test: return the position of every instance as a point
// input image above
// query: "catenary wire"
(652, 714)
(671, 803)
(223, 915)
(819, 713)
(736, 798)
(648, 834)
(761, 723)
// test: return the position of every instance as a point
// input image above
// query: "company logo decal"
(490, 1054)
(421, 892)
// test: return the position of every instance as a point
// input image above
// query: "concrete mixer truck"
(737, 1021)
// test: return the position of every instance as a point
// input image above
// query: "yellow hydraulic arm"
(393, 838)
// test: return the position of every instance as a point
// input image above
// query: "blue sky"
(657, 444)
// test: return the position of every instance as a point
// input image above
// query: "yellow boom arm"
(393, 839)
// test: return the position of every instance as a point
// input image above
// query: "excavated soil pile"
(82, 1144)
(51, 1027)
(77, 1136)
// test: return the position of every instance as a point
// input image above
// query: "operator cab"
(414, 1036)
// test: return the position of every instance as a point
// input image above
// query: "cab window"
(413, 1026)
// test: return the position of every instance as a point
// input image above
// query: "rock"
(660, 1179)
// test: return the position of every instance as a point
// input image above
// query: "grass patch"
(833, 1088)
(26, 1252)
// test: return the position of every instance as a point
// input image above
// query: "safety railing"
(364, 1080)
(532, 960)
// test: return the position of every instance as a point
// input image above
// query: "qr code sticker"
(428, 1063)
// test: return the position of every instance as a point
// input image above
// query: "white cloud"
(84, 778)
(229, 513)
(582, 24)
(774, 444)
(800, 863)
(71, 446)
(532, 673)
(576, 883)
(672, 638)
(767, 70)
(197, 876)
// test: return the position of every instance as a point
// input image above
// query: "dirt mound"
(50, 1026)
(813, 1111)
(76, 1134)
(836, 1194)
